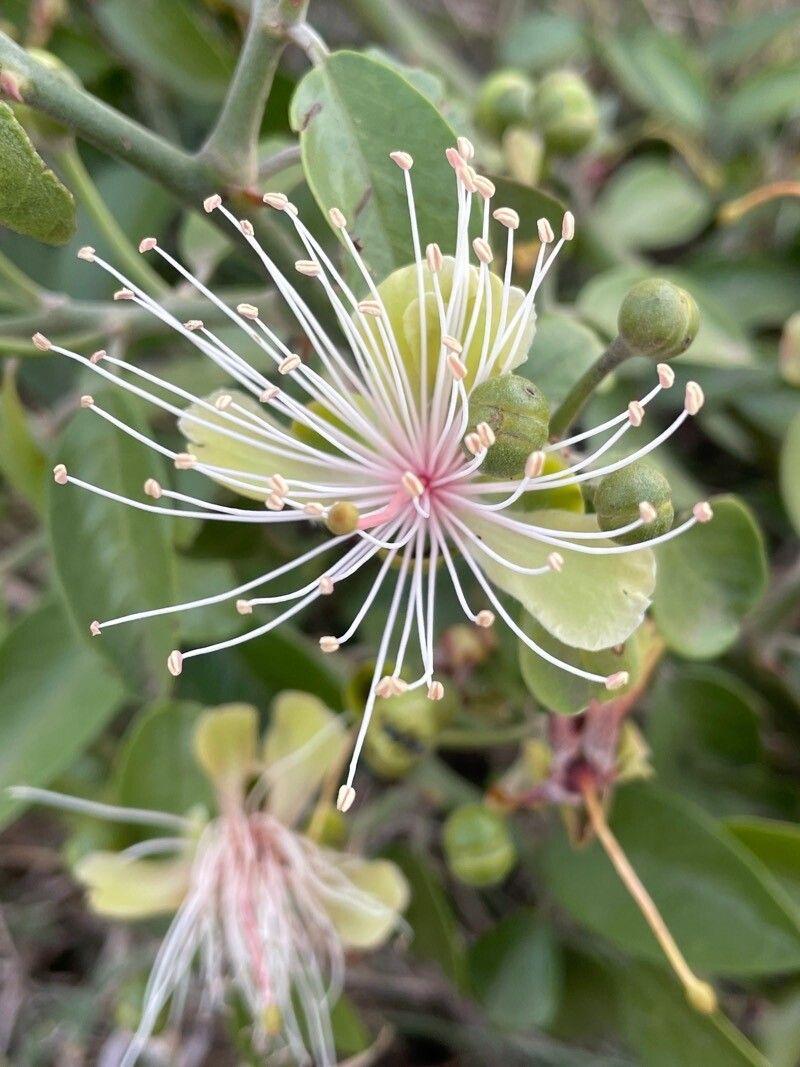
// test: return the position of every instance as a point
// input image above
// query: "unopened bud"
(518, 415)
(635, 492)
(658, 319)
(566, 112)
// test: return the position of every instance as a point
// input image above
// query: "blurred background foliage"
(673, 133)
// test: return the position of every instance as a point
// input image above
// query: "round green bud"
(504, 99)
(402, 732)
(39, 126)
(518, 415)
(342, 518)
(658, 319)
(478, 845)
(620, 496)
(566, 112)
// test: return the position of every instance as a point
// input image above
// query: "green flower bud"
(566, 112)
(504, 99)
(518, 415)
(620, 495)
(478, 846)
(39, 126)
(402, 732)
(658, 319)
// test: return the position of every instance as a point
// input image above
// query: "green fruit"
(477, 845)
(566, 112)
(402, 732)
(519, 416)
(504, 99)
(658, 319)
(619, 495)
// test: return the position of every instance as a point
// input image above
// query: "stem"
(733, 210)
(232, 145)
(460, 738)
(282, 160)
(575, 400)
(700, 994)
(79, 180)
(27, 289)
(399, 27)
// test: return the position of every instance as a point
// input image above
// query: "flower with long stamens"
(260, 909)
(382, 450)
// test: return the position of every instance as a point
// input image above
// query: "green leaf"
(738, 39)
(725, 911)
(56, 695)
(32, 199)
(351, 112)
(665, 1031)
(436, 933)
(594, 603)
(769, 96)
(156, 768)
(790, 472)
(539, 42)
(174, 43)
(660, 74)
(720, 339)
(777, 846)
(565, 693)
(515, 972)
(111, 559)
(563, 348)
(22, 461)
(709, 579)
(649, 203)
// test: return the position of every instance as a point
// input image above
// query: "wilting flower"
(417, 446)
(258, 907)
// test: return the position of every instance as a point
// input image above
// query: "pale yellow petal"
(124, 888)
(367, 926)
(225, 743)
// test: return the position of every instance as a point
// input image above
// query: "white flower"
(383, 453)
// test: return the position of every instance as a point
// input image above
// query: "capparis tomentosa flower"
(387, 454)
(260, 910)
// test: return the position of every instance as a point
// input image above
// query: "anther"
(568, 226)
(467, 176)
(338, 221)
(175, 663)
(435, 691)
(246, 226)
(244, 607)
(309, 267)
(412, 485)
(275, 502)
(484, 619)
(485, 186)
(486, 434)
(647, 513)
(269, 394)
(276, 200)
(87, 253)
(384, 688)
(473, 444)
(483, 250)
(60, 476)
(328, 644)
(211, 203)
(87, 401)
(44, 344)
(507, 217)
(147, 244)
(545, 230)
(152, 488)
(97, 356)
(452, 344)
(703, 511)
(192, 325)
(314, 509)
(344, 800)
(534, 464)
(402, 159)
(457, 368)
(94, 628)
(635, 413)
(370, 307)
(123, 294)
(434, 258)
(223, 402)
(247, 311)
(617, 681)
(184, 461)
(286, 366)
(279, 484)
(555, 561)
(326, 586)
(666, 375)
(454, 158)
(466, 149)
(694, 398)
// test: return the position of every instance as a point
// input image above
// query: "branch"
(232, 146)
